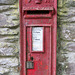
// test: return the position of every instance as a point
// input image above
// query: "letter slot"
(38, 14)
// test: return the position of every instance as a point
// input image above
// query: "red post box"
(38, 26)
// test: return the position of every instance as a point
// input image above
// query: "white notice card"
(37, 38)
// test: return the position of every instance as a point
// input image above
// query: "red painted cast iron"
(38, 19)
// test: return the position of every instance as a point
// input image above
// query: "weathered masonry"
(9, 37)
(38, 26)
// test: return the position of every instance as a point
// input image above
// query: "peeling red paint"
(46, 67)
(41, 63)
(38, 13)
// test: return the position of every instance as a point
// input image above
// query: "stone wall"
(66, 38)
(9, 37)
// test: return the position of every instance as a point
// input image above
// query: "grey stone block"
(6, 8)
(8, 31)
(70, 57)
(13, 73)
(69, 46)
(70, 3)
(6, 21)
(68, 32)
(8, 65)
(9, 49)
(70, 70)
(7, 1)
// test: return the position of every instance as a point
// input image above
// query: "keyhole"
(31, 58)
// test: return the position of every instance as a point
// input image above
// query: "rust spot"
(26, 1)
(46, 67)
(19, 68)
(40, 62)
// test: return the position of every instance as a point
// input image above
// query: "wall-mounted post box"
(38, 26)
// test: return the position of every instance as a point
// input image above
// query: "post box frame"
(23, 43)
(38, 25)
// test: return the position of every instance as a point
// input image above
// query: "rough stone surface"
(9, 37)
(8, 64)
(8, 31)
(9, 49)
(68, 46)
(8, 20)
(14, 73)
(7, 1)
(66, 38)
(70, 69)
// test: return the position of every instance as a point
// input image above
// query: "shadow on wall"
(60, 58)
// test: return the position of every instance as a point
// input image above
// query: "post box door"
(38, 50)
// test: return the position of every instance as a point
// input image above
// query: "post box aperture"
(38, 37)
